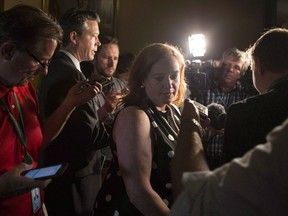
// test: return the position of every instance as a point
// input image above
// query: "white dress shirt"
(256, 184)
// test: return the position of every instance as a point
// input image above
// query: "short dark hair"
(26, 25)
(73, 20)
(106, 39)
(271, 49)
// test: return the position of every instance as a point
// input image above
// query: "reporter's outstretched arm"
(189, 154)
(79, 94)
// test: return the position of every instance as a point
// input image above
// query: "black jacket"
(249, 121)
(78, 144)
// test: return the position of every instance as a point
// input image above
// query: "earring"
(142, 86)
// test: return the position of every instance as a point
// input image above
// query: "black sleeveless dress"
(112, 198)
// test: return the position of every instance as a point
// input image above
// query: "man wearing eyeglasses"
(225, 90)
(83, 136)
(26, 48)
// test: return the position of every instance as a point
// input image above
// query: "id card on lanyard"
(36, 199)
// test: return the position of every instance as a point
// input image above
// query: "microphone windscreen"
(221, 120)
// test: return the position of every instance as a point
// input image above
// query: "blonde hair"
(237, 55)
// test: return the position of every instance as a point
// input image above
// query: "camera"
(199, 73)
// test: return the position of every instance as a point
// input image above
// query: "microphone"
(221, 120)
(217, 115)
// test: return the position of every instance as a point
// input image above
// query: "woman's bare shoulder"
(131, 117)
(132, 112)
(131, 122)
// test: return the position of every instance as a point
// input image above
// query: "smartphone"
(46, 172)
(105, 82)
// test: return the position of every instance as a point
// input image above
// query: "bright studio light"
(197, 45)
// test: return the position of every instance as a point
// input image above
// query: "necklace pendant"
(170, 137)
(28, 159)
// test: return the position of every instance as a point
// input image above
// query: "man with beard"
(105, 64)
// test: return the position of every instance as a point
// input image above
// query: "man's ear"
(73, 37)
(7, 50)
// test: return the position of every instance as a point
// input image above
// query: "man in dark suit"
(249, 121)
(78, 144)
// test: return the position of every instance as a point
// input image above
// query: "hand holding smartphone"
(203, 110)
(103, 81)
(46, 172)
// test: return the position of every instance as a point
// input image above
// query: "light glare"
(197, 45)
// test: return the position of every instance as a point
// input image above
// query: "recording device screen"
(46, 172)
(203, 110)
(104, 81)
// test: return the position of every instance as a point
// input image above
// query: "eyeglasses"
(44, 65)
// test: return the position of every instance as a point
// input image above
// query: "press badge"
(36, 199)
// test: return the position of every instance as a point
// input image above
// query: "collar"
(217, 85)
(74, 60)
(278, 83)
(4, 90)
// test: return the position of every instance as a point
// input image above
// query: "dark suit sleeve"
(56, 95)
(236, 132)
(82, 134)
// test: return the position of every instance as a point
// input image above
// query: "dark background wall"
(225, 23)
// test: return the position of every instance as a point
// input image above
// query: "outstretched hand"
(189, 153)
(190, 111)
(83, 91)
(77, 95)
(12, 183)
(112, 100)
